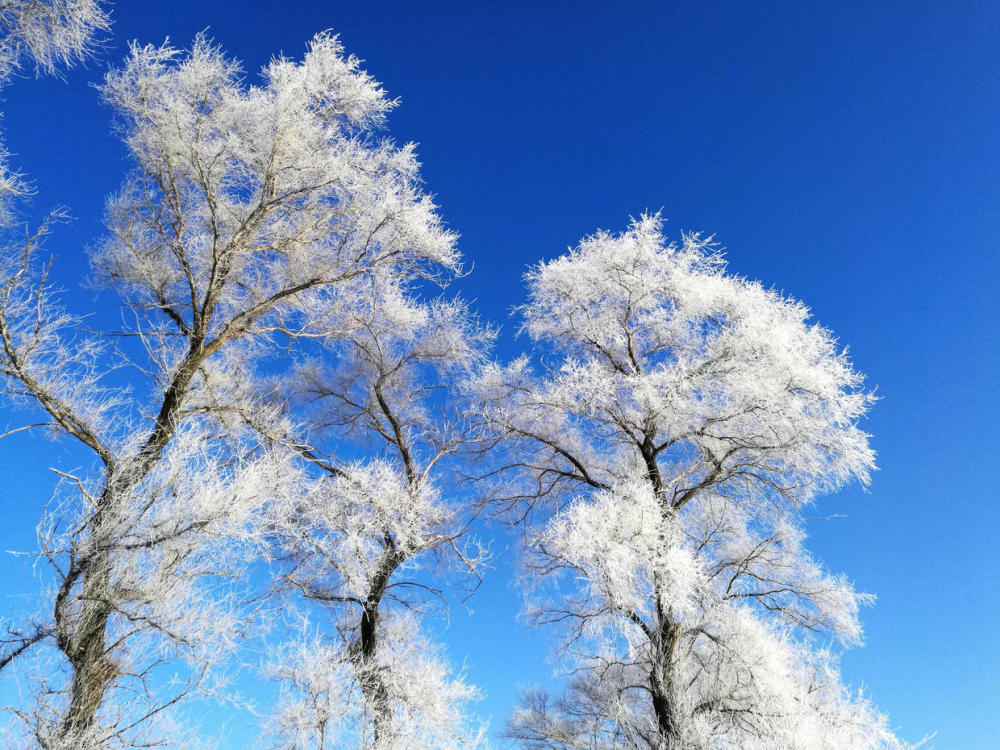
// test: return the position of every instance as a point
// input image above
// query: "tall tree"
(250, 211)
(373, 539)
(682, 419)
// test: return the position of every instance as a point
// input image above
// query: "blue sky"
(845, 154)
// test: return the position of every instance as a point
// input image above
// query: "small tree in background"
(683, 418)
(372, 540)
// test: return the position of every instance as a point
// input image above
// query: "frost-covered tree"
(372, 539)
(252, 212)
(682, 418)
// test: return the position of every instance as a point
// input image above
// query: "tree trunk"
(662, 685)
(85, 647)
(662, 678)
(372, 683)
(84, 641)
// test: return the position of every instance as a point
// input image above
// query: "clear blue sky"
(846, 153)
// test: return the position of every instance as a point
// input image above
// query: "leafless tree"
(373, 539)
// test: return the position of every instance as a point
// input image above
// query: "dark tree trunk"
(662, 685)
(372, 682)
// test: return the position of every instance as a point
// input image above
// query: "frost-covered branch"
(49, 35)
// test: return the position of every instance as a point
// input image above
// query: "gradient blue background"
(846, 153)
